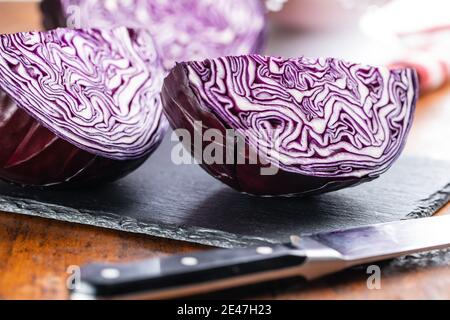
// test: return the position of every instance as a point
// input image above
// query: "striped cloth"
(428, 51)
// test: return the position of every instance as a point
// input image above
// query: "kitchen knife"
(309, 256)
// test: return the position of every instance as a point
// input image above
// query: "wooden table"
(35, 253)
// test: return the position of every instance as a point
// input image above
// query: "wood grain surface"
(35, 253)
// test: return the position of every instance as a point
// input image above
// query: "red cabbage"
(183, 29)
(78, 106)
(338, 123)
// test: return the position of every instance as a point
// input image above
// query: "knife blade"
(307, 256)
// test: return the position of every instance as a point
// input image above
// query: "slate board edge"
(107, 220)
(433, 203)
(205, 236)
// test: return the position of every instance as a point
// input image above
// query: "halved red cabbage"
(78, 106)
(338, 123)
(183, 29)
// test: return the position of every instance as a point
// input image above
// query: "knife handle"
(189, 274)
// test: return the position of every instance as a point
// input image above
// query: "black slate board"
(184, 203)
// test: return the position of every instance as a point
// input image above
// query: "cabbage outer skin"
(183, 29)
(338, 123)
(78, 107)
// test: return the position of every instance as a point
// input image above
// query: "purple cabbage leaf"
(324, 124)
(78, 107)
(183, 29)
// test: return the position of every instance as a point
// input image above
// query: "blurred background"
(412, 33)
